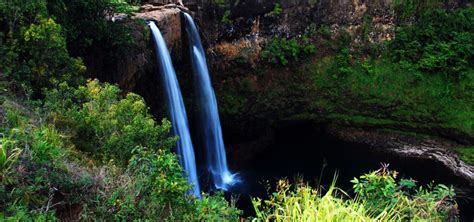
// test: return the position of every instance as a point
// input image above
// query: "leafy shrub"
(281, 51)
(378, 190)
(154, 188)
(104, 123)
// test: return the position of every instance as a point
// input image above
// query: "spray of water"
(208, 112)
(177, 111)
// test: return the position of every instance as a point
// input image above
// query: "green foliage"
(366, 28)
(87, 27)
(226, 18)
(303, 203)
(466, 154)
(48, 178)
(37, 37)
(277, 10)
(406, 10)
(216, 208)
(34, 49)
(47, 55)
(281, 51)
(9, 154)
(36, 173)
(423, 83)
(46, 144)
(440, 43)
(325, 31)
(155, 188)
(342, 64)
(220, 3)
(379, 198)
(17, 14)
(113, 125)
(391, 96)
(379, 191)
(22, 214)
(125, 6)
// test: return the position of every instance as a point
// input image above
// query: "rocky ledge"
(435, 150)
(168, 19)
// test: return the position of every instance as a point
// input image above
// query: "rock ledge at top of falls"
(168, 19)
(435, 150)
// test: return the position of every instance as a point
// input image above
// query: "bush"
(281, 51)
(153, 186)
(38, 181)
(379, 191)
(104, 123)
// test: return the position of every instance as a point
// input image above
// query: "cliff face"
(238, 28)
(292, 17)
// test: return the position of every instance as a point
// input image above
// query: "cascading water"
(176, 109)
(209, 115)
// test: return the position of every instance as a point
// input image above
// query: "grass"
(307, 204)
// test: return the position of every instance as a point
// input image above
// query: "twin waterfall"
(210, 128)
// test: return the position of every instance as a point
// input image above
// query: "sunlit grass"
(379, 198)
(308, 204)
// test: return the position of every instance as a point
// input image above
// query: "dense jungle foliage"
(72, 148)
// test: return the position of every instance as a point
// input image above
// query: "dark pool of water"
(305, 151)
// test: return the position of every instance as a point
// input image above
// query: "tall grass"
(402, 201)
(308, 204)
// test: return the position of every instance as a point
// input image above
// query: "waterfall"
(176, 109)
(208, 112)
